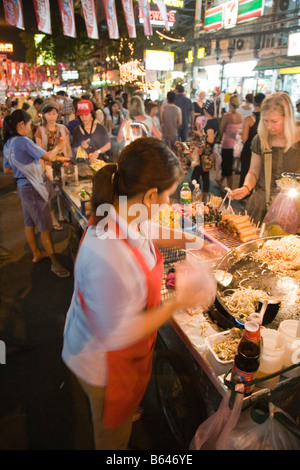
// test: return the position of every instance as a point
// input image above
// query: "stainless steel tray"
(239, 263)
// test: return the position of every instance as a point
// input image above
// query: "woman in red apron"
(115, 378)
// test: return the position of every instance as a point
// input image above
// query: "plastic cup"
(292, 354)
(271, 357)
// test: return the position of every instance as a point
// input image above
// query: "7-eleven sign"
(230, 13)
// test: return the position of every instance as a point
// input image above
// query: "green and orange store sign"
(231, 13)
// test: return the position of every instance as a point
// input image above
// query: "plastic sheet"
(282, 217)
(264, 427)
(213, 434)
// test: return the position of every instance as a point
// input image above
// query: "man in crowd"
(187, 112)
(171, 120)
(14, 106)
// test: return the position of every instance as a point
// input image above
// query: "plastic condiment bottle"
(185, 194)
(246, 361)
(271, 358)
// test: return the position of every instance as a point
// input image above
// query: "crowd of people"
(93, 129)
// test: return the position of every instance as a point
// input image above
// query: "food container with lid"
(271, 356)
(219, 341)
(292, 353)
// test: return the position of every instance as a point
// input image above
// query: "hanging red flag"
(66, 9)
(163, 11)
(129, 17)
(111, 18)
(8, 69)
(26, 75)
(42, 13)
(144, 7)
(14, 13)
(89, 12)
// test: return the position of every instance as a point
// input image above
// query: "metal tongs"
(295, 176)
(222, 206)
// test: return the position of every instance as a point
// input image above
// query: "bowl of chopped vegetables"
(223, 346)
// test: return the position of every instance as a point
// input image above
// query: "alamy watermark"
(190, 224)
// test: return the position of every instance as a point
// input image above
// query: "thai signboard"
(249, 10)
(294, 44)
(213, 18)
(159, 60)
(231, 13)
(6, 47)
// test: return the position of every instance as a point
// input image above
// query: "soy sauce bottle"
(246, 361)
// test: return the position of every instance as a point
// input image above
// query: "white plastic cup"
(271, 357)
(292, 354)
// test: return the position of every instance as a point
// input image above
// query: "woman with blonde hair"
(230, 125)
(275, 149)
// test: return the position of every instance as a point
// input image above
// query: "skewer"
(262, 230)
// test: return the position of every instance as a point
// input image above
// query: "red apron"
(129, 369)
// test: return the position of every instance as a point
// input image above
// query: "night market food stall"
(196, 349)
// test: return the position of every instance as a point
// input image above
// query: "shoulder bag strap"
(61, 131)
(268, 174)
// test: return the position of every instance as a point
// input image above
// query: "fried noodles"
(243, 301)
(281, 256)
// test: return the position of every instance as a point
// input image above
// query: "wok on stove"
(252, 273)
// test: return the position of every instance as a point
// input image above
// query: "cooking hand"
(195, 284)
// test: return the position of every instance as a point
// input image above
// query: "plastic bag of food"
(195, 283)
(265, 427)
(213, 434)
(282, 217)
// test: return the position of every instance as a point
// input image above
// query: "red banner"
(67, 17)
(129, 17)
(89, 12)
(14, 13)
(143, 4)
(43, 17)
(163, 11)
(111, 18)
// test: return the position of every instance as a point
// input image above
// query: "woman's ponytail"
(11, 121)
(104, 186)
(143, 164)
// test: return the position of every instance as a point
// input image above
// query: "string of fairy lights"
(133, 70)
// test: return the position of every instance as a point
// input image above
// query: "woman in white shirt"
(116, 310)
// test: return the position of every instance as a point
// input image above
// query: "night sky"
(10, 34)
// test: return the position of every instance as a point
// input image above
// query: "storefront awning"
(282, 61)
